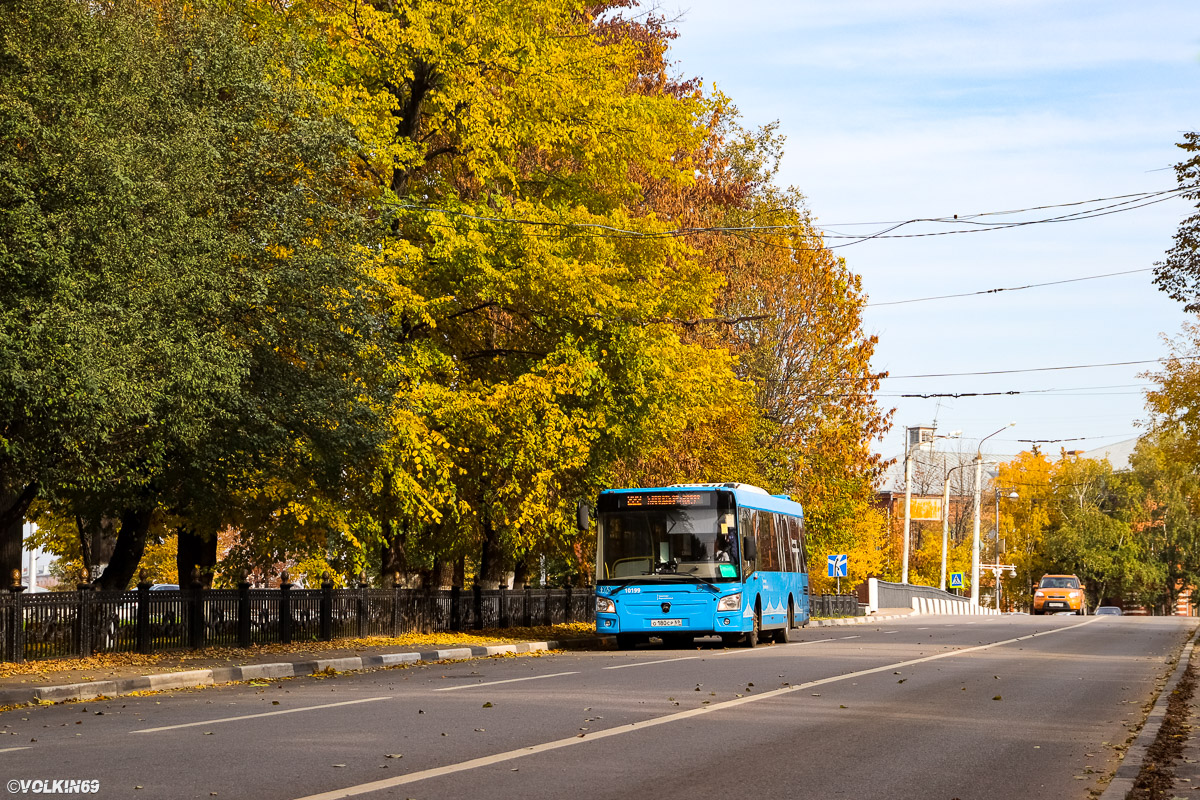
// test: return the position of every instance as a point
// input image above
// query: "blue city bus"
(691, 560)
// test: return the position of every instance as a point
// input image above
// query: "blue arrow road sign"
(956, 580)
(839, 565)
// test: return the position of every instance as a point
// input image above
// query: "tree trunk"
(393, 555)
(443, 573)
(13, 505)
(521, 572)
(491, 559)
(97, 541)
(196, 551)
(127, 553)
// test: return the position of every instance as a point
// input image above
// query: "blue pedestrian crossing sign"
(839, 565)
(956, 580)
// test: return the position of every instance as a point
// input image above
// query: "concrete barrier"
(921, 599)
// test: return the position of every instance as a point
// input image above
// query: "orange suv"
(1059, 593)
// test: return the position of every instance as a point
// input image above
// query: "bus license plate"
(666, 623)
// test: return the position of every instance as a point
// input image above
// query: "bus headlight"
(732, 602)
(605, 606)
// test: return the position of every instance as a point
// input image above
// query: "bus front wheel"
(755, 631)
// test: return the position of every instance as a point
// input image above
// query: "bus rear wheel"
(783, 635)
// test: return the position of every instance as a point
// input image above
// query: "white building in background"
(35, 564)
(1118, 454)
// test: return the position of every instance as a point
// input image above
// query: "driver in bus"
(722, 548)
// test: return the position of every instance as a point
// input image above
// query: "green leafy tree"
(182, 267)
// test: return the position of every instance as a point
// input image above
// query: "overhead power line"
(1038, 369)
(977, 222)
(1009, 288)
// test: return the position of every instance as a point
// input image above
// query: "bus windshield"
(663, 541)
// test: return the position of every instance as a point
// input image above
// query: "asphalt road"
(929, 707)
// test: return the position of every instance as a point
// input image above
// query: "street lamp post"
(908, 502)
(978, 491)
(946, 521)
(1012, 495)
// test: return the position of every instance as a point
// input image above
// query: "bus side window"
(768, 558)
(746, 530)
(796, 544)
(803, 541)
(781, 545)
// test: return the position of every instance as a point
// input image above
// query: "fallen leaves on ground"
(178, 659)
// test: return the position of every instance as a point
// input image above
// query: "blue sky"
(901, 110)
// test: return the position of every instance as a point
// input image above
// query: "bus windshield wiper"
(682, 577)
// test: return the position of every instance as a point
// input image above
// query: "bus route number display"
(672, 499)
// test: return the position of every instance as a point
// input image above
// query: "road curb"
(1131, 763)
(89, 690)
(829, 623)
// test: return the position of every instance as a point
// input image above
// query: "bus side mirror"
(749, 548)
(581, 516)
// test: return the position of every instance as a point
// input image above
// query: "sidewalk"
(109, 676)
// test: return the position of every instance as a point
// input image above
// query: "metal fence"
(87, 621)
(834, 605)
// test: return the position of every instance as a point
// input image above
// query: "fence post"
(83, 618)
(196, 611)
(503, 616)
(285, 608)
(244, 637)
(363, 600)
(547, 621)
(145, 642)
(326, 607)
(478, 602)
(396, 616)
(569, 616)
(527, 618)
(455, 609)
(16, 623)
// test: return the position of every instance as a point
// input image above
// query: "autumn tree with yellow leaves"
(555, 288)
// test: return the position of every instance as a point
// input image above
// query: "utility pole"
(978, 491)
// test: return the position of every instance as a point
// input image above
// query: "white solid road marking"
(923, 629)
(648, 663)
(475, 763)
(263, 714)
(770, 649)
(850, 637)
(891, 631)
(10, 749)
(510, 680)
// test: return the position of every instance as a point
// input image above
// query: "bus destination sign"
(668, 499)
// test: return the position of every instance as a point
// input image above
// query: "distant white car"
(1109, 611)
